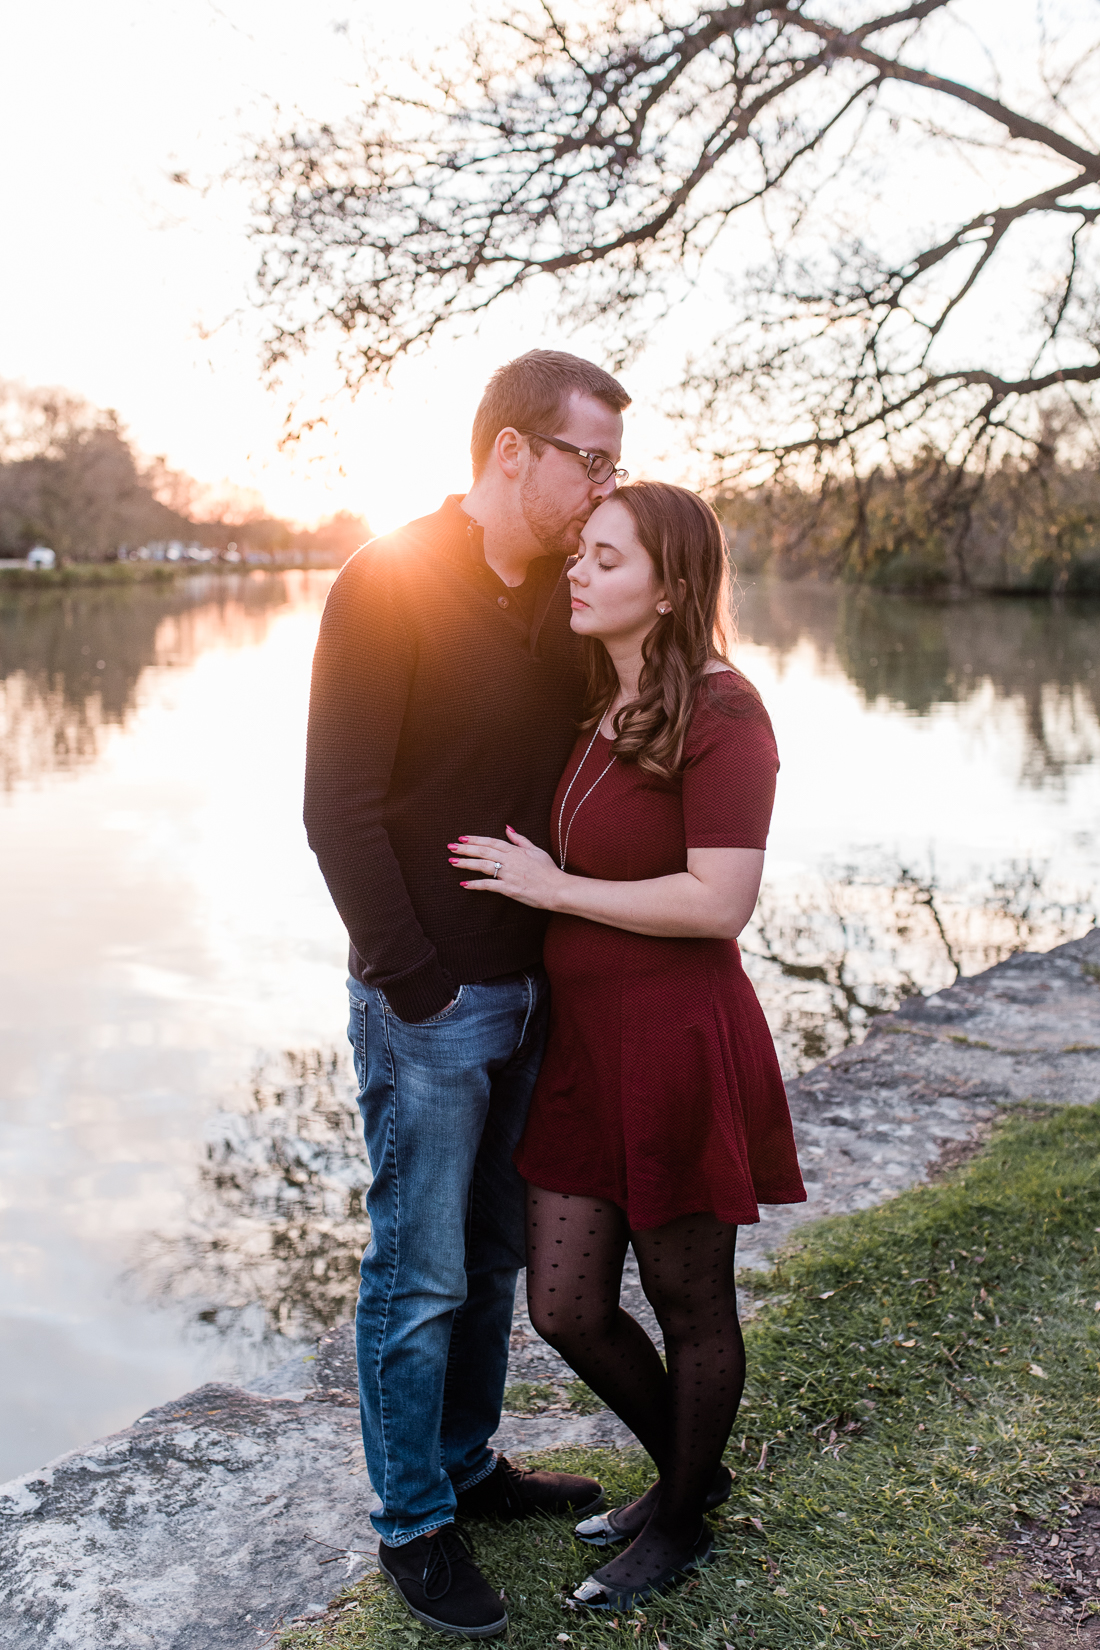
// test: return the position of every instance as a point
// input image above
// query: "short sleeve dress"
(660, 1089)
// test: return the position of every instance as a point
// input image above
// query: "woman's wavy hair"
(688, 549)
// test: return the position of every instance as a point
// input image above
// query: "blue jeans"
(444, 1104)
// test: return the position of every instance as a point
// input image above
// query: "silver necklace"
(564, 846)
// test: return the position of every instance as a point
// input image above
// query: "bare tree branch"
(1018, 125)
(612, 155)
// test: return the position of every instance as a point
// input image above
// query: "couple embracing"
(540, 795)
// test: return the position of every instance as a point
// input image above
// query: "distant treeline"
(1022, 528)
(70, 480)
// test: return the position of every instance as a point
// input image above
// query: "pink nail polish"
(464, 839)
(454, 862)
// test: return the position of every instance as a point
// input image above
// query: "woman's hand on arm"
(713, 899)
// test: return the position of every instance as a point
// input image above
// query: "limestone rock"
(198, 1527)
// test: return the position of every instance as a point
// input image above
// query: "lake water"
(182, 1177)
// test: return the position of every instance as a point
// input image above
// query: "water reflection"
(830, 954)
(1042, 655)
(271, 1252)
(71, 661)
(177, 959)
(277, 1223)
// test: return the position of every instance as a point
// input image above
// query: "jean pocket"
(434, 1019)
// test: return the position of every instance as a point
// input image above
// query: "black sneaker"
(437, 1579)
(519, 1492)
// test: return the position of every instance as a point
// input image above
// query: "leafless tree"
(860, 188)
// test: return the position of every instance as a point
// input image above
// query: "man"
(446, 693)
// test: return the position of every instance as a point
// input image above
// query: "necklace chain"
(564, 846)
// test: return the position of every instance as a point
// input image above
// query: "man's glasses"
(600, 467)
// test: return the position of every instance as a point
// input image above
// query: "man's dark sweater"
(441, 704)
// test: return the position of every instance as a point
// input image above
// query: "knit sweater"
(437, 708)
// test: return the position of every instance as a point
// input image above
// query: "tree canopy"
(886, 218)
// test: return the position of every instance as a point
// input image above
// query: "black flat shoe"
(594, 1594)
(602, 1531)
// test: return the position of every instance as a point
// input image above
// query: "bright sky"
(133, 291)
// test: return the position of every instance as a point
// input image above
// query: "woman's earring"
(664, 607)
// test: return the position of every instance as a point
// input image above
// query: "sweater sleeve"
(730, 766)
(362, 670)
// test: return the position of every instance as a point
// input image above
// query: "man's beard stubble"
(558, 535)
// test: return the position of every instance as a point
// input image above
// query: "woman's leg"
(686, 1269)
(575, 1252)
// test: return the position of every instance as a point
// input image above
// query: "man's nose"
(602, 490)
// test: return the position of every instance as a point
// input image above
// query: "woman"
(659, 1118)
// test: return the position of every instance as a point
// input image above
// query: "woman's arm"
(713, 899)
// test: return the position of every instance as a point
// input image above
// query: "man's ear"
(508, 452)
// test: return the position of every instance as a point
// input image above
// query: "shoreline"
(251, 1484)
(85, 575)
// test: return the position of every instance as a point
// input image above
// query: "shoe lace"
(449, 1549)
(513, 1479)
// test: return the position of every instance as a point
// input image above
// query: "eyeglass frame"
(593, 458)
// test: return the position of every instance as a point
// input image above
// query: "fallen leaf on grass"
(907, 1343)
(1037, 1369)
(830, 1292)
(756, 1524)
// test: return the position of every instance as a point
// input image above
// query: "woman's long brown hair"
(684, 540)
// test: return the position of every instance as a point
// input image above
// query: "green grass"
(928, 1372)
(91, 573)
(531, 1397)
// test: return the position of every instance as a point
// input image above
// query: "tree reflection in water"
(828, 956)
(1040, 657)
(71, 660)
(276, 1224)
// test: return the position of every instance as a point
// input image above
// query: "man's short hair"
(531, 392)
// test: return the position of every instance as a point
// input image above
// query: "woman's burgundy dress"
(660, 1090)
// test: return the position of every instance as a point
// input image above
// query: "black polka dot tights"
(683, 1415)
